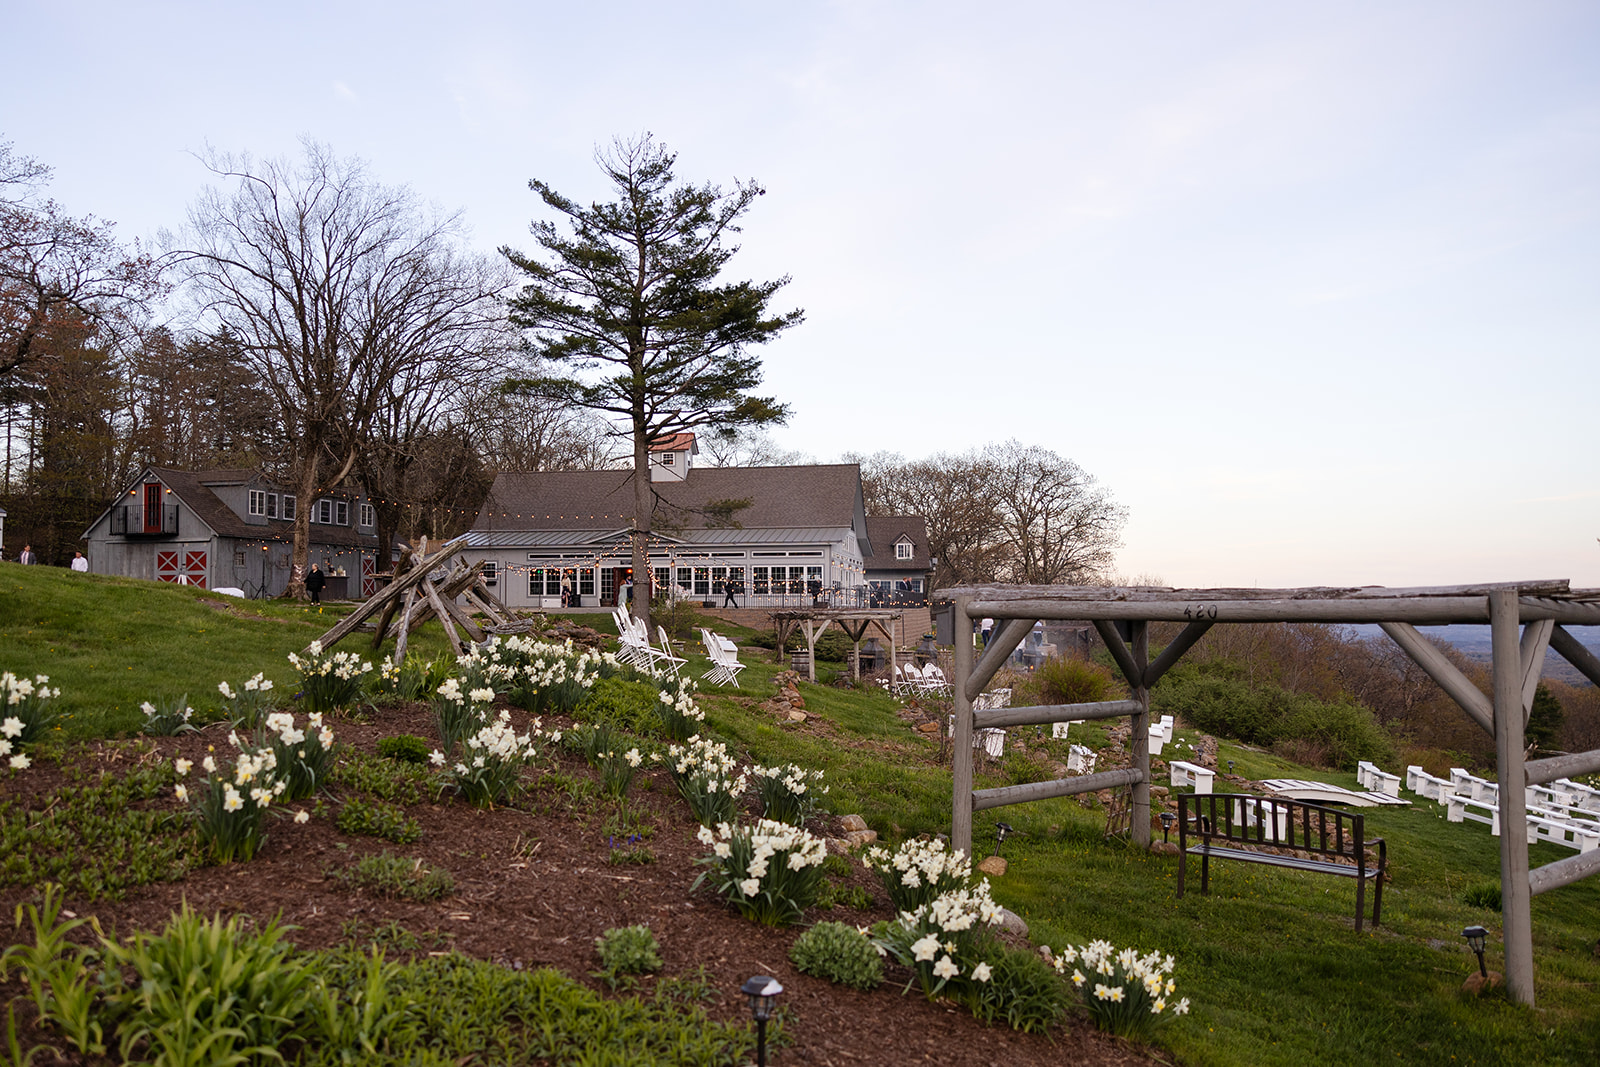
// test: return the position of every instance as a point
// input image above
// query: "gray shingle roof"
(884, 530)
(824, 495)
(192, 489)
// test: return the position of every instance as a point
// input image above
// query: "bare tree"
(748, 446)
(340, 290)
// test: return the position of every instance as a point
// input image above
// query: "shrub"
(1070, 680)
(403, 783)
(627, 950)
(623, 704)
(399, 877)
(1346, 732)
(769, 872)
(377, 819)
(405, 748)
(1484, 895)
(839, 953)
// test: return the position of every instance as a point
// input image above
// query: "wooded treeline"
(308, 322)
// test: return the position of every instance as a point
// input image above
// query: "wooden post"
(961, 762)
(1516, 897)
(1139, 743)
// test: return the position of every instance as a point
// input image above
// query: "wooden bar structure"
(1525, 619)
(416, 596)
(814, 622)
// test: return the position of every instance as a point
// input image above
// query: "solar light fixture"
(1476, 937)
(1167, 819)
(762, 992)
(1001, 829)
(1230, 766)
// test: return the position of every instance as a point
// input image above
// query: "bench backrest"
(1247, 819)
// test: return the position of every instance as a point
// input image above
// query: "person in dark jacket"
(315, 581)
(729, 588)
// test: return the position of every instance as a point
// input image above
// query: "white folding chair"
(665, 655)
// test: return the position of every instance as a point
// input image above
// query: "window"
(903, 550)
(758, 580)
(608, 584)
(666, 459)
(288, 507)
(491, 568)
(663, 579)
(685, 576)
(367, 517)
(258, 502)
(702, 581)
(341, 511)
(586, 581)
(272, 505)
(324, 512)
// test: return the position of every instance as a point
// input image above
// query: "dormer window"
(667, 458)
(903, 550)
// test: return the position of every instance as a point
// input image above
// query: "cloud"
(344, 92)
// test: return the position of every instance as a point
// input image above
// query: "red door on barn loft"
(152, 507)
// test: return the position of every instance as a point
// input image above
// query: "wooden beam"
(982, 594)
(1422, 611)
(1039, 714)
(1139, 742)
(1002, 643)
(1563, 872)
(1535, 639)
(1545, 771)
(1119, 652)
(984, 799)
(1442, 671)
(444, 617)
(1175, 650)
(394, 590)
(1575, 653)
(404, 632)
(961, 795)
(1516, 909)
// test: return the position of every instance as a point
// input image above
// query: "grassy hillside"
(113, 643)
(1270, 959)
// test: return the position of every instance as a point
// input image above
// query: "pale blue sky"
(1312, 288)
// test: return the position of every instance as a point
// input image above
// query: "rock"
(851, 823)
(857, 838)
(1164, 848)
(993, 866)
(1010, 920)
(928, 727)
(1057, 769)
(1477, 985)
(796, 715)
(1158, 791)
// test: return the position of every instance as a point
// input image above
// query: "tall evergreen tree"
(631, 311)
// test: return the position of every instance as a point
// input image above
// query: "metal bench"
(1303, 837)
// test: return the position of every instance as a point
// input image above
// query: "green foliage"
(419, 676)
(28, 701)
(385, 779)
(97, 838)
(839, 953)
(246, 708)
(1338, 733)
(303, 758)
(1545, 719)
(405, 748)
(1070, 680)
(1485, 895)
(834, 646)
(55, 973)
(677, 617)
(788, 793)
(377, 819)
(230, 809)
(627, 950)
(1125, 993)
(1022, 990)
(624, 704)
(399, 877)
(168, 716)
(205, 991)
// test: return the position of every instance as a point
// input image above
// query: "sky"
(1312, 288)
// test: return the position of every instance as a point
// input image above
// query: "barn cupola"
(671, 457)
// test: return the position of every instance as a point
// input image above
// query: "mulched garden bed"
(535, 884)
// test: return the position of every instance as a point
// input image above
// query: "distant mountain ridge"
(1475, 643)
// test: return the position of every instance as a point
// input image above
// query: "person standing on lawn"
(80, 563)
(315, 581)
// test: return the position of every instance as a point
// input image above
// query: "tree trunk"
(306, 491)
(642, 507)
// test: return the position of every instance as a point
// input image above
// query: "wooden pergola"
(813, 622)
(1525, 619)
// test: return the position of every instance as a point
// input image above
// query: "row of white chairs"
(634, 645)
(1557, 813)
(724, 656)
(929, 681)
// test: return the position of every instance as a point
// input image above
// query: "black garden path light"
(1001, 831)
(1230, 766)
(1476, 937)
(762, 992)
(1167, 819)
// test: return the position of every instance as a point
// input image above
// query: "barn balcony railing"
(135, 520)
